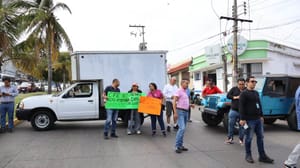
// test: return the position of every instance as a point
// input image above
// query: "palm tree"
(63, 64)
(43, 26)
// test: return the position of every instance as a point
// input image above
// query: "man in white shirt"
(169, 91)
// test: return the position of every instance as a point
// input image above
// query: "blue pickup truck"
(277, 98)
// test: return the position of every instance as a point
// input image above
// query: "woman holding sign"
(155, 93)
(134, 123)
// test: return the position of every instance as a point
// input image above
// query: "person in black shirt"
(111, 114)
(252, 120)
(234, 116)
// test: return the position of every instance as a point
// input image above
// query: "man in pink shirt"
(181, 105)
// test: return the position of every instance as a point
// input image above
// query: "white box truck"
(92, 71)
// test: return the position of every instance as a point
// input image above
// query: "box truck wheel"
(292, 120)
(42, 120)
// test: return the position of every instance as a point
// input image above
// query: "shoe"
(153, 133)
(176, 127)
(168, 128)
(249, 159)
(164, 133)
(2, 130)
(129, 133)
(182, 148)
(266, 159)
(229, 141)
(241, 142)
(10, 130)
(178, 150)
(190, 121)
(287, 166)
(138, 132)
(114, 136)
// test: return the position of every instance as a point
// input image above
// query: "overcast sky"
(179, 26)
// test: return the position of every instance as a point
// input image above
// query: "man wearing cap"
(169, 91)
(7, 103)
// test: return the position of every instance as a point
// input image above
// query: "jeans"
(134, 123)
(160, 121)
(255, 126)
(234, 117)
(9, 109)
(182, 120)
(111, 121)
(294, 156)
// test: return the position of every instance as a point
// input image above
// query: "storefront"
(260, 58)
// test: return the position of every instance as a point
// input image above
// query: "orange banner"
(149, 105)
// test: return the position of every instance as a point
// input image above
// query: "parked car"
(23, 87)
(277, 98)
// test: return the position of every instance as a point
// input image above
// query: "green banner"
(117, 100)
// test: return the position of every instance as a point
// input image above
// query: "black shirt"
(249, 105)
(235, 91)
(111, 89)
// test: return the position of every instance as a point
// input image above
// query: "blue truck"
(277, 95)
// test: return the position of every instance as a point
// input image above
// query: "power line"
(212, 7)
(275, 26)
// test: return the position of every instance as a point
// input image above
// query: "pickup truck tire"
(211, 120)
(226, 123)
(269, 121)
(292, 120)
(42, 120)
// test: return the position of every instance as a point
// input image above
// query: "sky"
(182, 27)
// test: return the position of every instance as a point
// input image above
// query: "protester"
(234, 116)
(169, 91)
(181, 107)
(111, 114)
(134, 123)
(252, 117)
(293, 158)
(7, 103)
(210, 88)
(188, 92)
(155, 93)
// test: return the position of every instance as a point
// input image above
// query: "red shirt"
(211, 90)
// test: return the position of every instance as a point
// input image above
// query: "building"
(180, 70)
(261, 57)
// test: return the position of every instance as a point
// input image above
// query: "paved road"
(81, 144)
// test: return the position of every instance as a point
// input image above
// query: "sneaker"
(168, 128)
(153, 133)
(129, 133)
(229, 141)
(176, 127)
(287, 166)
(266, 159)
(190, 121)
(249, 159)
(182, 148)
(138, 132)
(164, 133)
(241, 142)
(114, 136)
(178, 150)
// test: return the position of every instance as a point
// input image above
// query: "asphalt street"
(81, 144)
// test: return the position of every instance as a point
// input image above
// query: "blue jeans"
(111, 121)
(182, 120)
(160, 119)
(255, 126)
(134, 123)
(234, 117)
(7, 109)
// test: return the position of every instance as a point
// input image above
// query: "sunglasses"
(253, 81)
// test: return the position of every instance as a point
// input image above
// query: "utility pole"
(142, 45)
(235, 19)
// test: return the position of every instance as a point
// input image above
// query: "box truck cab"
(92, 72)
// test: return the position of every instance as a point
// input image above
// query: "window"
(80, 90)
(197, 76)
(276, 87)
(252, 69)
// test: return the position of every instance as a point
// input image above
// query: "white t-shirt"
(169, 91)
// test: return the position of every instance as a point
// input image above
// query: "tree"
(43, 25)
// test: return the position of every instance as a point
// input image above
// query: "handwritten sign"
(117, 100)
(149, 105)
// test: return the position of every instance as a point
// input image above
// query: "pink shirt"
(183, 99)
(155, 94)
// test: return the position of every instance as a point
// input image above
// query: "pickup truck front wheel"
(42, 121)
(211, 120)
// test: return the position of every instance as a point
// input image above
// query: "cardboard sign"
(117, 100)
(149, 105)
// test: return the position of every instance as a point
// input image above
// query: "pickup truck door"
(80, 102)
(274, 98)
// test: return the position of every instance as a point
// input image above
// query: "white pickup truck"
(92, 72)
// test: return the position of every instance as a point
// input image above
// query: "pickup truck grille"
(212, 102)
